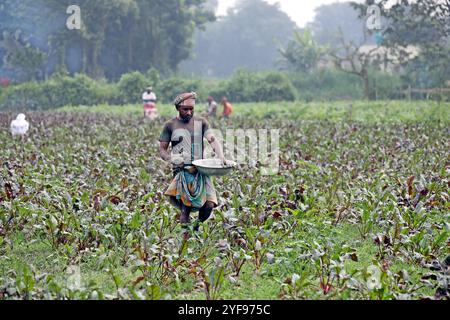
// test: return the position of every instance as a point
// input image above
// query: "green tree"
(97, 17)
(116, 36)
(302, 53)
(247, 37)
(22, 49)
(352, 58)
(423, 24)
(22, 57)
(332, 21)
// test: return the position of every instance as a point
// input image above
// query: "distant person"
(227, 107)
(149, 100)
(20, 126)
(211, 108)
(4, 82)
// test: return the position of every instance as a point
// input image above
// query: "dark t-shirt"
(186, 137)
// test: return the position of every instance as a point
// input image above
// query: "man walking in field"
(189, 190)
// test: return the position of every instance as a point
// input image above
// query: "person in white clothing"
(149, 100)
(211, 107)
(19, 126)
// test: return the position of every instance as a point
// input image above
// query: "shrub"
(331, 84)
(130, 87)
(26, 96)
(385, 86)
(247, 86)
(58, 91)
(274, 86)
(326, 85)
(243, 86)
(171, 87)
(77, 90)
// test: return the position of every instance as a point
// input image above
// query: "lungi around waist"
(149, 105)
(191, 188)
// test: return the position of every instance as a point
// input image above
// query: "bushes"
(63, 90)
(240, 88)
(56, 92)
(326, 85)
(130, 87)
(330, 84)
(246, 86)
(77, 90)
(29, 95)
(171, 87)
(275, 86)
(385, 86)
(243, 86)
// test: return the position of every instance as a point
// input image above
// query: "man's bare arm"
(163, 150)
(215, 145)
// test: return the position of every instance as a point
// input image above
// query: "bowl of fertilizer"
(214, 167)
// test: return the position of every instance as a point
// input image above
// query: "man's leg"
(204, 213)
(184, 218)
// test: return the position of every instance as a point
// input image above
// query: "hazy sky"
(301, 11)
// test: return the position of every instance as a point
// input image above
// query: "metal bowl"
(213, 167)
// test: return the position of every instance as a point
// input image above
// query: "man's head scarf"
(183, 97)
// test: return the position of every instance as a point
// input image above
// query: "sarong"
(192, 189)
(149, 106)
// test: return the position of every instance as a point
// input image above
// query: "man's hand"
(177, 160)
(226, 163)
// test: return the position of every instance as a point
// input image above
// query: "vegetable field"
(360, 208)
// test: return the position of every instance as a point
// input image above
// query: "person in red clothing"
(4, 82)
(227, 107)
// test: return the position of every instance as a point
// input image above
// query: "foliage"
(302, 53)
(243, 86)
(116, 36)
(247, 37)
(359, 210)
(131, 86)
(350, 58)
(80, 90)
(173, 86)
(329, 84)
(246, 86)
(423, 25)
(22, 57)
(331, 18)
(56, 92)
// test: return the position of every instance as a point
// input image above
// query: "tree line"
(184, 38)
(413, 41)
(116, 36)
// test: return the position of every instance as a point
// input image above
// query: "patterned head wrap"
(183, 97)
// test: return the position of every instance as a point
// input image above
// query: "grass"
(373, 111)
